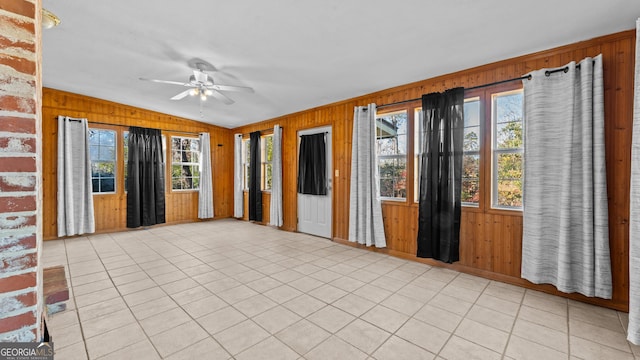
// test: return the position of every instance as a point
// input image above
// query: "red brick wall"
(20, 184)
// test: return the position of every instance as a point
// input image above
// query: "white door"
(314, 211)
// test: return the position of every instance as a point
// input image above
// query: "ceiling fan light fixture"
(203, 97)
(49, 19)
(193, 92)
(208, 92)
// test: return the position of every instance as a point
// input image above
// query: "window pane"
(391, 139)
(507, 135)
(471, 138)
(107, 153)
(269, 148)
(268, 176)
(510, 193)
(393, 177)
(186, 144)
(391, 133)
(107, 138)
(94, 152)
(184, 155)
(107, 185)
(94, 137)
(176, 184)
(470, 191)
(102, 153)
(471, 179)
(507, 122)
(471, 159)
(472, 112)
(509, 166)
(509, 178)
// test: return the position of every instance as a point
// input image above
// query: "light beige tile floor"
(231, 289)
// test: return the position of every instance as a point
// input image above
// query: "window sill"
(393, 200)
(182, 191)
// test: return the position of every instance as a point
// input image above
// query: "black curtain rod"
(564, 69)
(528, 77)
(471, 88)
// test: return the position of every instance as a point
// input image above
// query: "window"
(125, 144)
(246, 161)
(417, 151)
(185, 163)
(492, 173)
(470, 195)
(507, 149)
(102, 150)
(391, 140)
(267, 157)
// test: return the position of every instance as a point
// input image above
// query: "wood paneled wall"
(490, 240)
(110, 209)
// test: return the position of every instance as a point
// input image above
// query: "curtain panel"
(75, 194)
(238, 193)
(633, 330)
(365, 211)
(205, 193)
(565, 215)
(275, 213)
(255, 186)
(312, 165)
(439, 206)
(145, 184)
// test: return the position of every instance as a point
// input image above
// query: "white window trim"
(396, 156)
(264, 162)
(115, 163)
(495, 152)
(173, 163)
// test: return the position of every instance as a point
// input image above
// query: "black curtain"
(145, 184)
(312, 165)
(255, 191)
(441, 175)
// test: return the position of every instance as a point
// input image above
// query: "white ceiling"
(298, 54)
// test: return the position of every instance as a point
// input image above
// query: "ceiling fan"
(201, 84)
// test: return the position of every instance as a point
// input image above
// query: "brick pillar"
(20, 170)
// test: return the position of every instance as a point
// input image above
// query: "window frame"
(180, 163)
(408, 110)
(116, 135)
(495, 152)
(470, 98)
(264, 162)
(485, 166)
(246, 165)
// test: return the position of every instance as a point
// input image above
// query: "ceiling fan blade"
(182, 95)
(220, 96)
(231, 88)
(166, 82)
